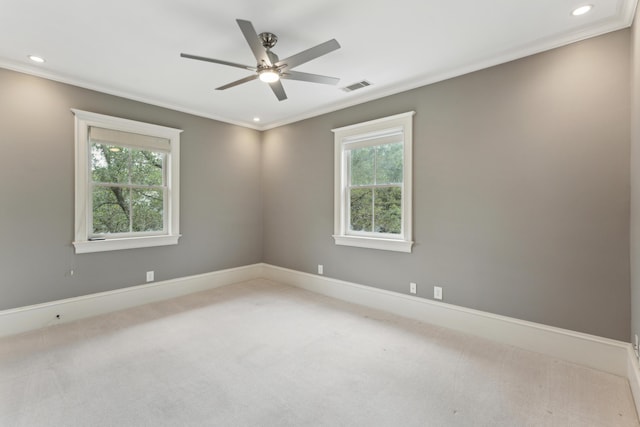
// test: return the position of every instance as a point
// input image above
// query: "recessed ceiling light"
(256, 119)
(37, 59)
(582, 10)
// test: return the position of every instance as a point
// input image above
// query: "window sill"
(125, 243)
(374, 243)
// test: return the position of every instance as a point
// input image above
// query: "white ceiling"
(131, 48)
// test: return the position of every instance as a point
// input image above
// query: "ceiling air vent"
(356, 86)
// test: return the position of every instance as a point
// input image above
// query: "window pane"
(362, 166)
(389, 163)
(361, 209)
(388, 210)
(147, 210)
(110, 210)
(109, 163)
(146, 167)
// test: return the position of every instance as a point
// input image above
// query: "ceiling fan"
(270, 68)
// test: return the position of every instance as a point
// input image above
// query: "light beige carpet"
(262, 354)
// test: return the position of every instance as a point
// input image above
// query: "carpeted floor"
(262, 354)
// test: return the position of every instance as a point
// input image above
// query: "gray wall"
(221, 218)
(521, 190)
(635, 178)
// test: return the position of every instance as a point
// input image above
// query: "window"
(373, 184)
(127, 183)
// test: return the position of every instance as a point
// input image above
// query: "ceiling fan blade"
(310, 54)
(307, 77)
(254, 41)
(218, 61)
(238, 82)
(278, 90)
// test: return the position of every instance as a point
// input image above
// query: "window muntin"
(373, 184)
(127, 188)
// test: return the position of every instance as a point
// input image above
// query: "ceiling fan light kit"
(269, 68)
(268, 75)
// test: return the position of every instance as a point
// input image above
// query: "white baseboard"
(15, 321)
(596, 352)
(607, 355)
(604, 354)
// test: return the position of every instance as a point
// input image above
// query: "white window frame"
(83, 198)
(359, 134)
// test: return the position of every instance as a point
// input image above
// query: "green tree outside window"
(128, 189)
(375, 190)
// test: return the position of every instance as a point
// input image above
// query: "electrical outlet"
(437, 292)
(150, 276)
(412, 288)
(320, 269)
